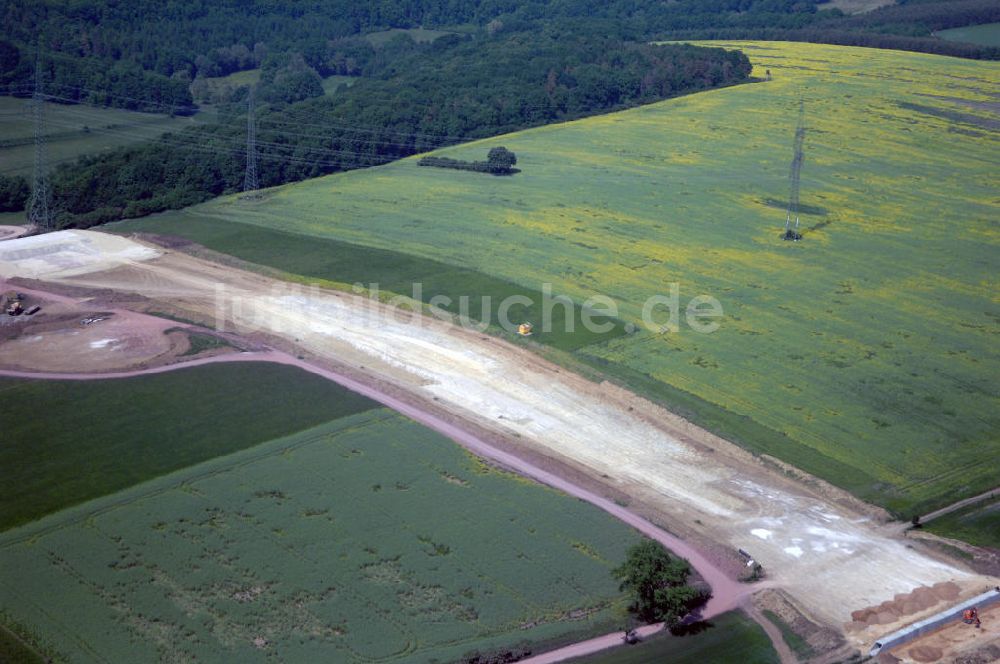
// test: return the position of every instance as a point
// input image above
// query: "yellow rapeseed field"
(867, 353)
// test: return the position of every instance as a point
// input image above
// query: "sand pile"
(946, 590)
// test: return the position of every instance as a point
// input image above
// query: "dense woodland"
(143, 54)
(409, 98)
(507, 65)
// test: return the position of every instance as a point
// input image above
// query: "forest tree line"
(507, 65)
(416, 97)
(144, 54)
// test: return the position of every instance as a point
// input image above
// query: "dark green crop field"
(69, 441)
(368, 539)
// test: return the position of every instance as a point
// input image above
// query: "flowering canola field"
(867, 352)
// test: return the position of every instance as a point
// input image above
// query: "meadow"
(987, 34)
(331, 83)
(865, 353)
(74, 130)
(211, 89)
(366, 539)
(66, 442)
(383, 37)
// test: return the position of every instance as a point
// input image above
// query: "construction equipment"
(11, 302)
(792, 234)
(961, 611)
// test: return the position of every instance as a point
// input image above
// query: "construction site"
(827, 576)
(839, 567)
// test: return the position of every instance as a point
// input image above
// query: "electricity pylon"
(250, 183)
(40, 203)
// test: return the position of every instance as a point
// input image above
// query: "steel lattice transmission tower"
(40, 204)
(250, 183)
(798, 157)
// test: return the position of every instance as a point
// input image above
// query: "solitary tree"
(657, 581)
(500, 160)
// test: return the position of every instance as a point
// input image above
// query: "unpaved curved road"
(727, 594)
(590, 646)
(11, 232)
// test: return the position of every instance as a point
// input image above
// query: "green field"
(220, 88)
(331, 83)
(74, 130)
(731, 637)
(69, 441)
(977, 524)
(368, 539)
(382, 37)
(987, 34)
(866, 353)
(15, 651)
(214, 89)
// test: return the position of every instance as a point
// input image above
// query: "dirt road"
(11, 232)
(726, 593)
(590, 646)
(954, 507)
(832, 555)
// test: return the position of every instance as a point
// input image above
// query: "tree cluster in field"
(499, 161)
(288, 80)
(414, 98)
(657, 583)
(14, 192)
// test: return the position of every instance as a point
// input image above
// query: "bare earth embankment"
(832, 554)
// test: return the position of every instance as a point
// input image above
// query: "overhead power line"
(250, 184)
(40, 204)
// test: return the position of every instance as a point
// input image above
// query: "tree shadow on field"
(693, 623)
(691, 626)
